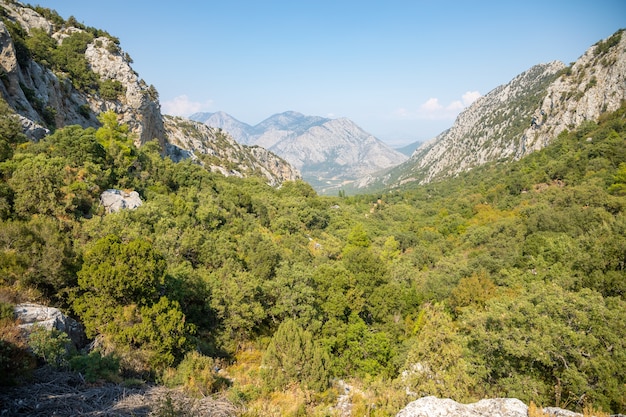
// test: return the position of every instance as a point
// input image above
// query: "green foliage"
(197, 374)
(52, 346)
(69, 57)
(436, 363)
(122, 273)
(10, 132)
(505, 281)
(95, 367)
(37, 254)
(111, 89)
(539, 345)
(603, 46)
(292, 356)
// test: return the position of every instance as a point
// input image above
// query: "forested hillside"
(508, 281)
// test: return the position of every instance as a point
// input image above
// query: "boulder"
(438, 407)
(50, 318)
(116, 200)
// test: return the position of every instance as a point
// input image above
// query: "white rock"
(436, 407)
(50, 318)
(116, 200)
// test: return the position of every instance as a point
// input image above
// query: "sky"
(401, 69)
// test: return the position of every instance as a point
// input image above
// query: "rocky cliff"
(51, 85)
(46, 99)
(520, 117)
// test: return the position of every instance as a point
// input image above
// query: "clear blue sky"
(400, 69)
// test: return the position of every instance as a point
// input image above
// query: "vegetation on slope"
(507, 281)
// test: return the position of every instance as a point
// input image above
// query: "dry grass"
(67, 394)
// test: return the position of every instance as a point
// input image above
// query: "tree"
(293, 357)
(120, 297)
(37, 183)
(436, 363)
(550, 345)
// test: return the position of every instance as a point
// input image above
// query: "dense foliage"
(507, 281)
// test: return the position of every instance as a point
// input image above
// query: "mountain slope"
(330, 153)
(95, 76)
(520, 117)
(220, 153)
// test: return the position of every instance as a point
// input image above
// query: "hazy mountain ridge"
(48, 98)
(519, 117)
(330, 153)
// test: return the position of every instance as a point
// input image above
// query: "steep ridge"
(48, 94)
(330, 153)
(220, 153)
(520, 117)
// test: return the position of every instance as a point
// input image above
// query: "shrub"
(196, 373)
(96, 367)
(53, 346)
(111, 89)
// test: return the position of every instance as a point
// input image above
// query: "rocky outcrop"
(47, 99)
(219, 152)
(116, 200)
(50, 318)
(437, 407)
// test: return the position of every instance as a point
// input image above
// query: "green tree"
(551, 346)
(436, 363)
(292, 356)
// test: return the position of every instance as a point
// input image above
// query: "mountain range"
(330, 153)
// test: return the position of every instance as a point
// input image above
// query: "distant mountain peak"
(328, 152)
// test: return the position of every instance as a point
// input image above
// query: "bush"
(96, 367)
(52, 346)
(197, 374)
(111, 89)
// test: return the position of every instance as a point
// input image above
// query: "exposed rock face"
(436, 407)
(116, 200)
(486, 131)
(36, 93)
(219, 152)
(522, 116)
(595, 84)
(328, 152)
(50, 318)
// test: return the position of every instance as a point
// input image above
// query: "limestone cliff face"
(43, 98)
(594, 84)
(520, 117)
(219, 152)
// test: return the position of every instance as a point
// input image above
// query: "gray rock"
(50, 318)
(116, 200)
(436, 407)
